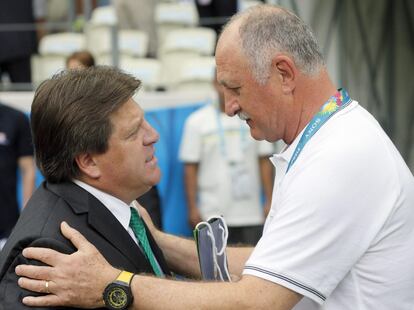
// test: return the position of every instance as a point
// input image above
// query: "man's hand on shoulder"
(69, 278)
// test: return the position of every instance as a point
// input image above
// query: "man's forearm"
(78, 280)
(237, 257)
(147, 292)
(182, 258)
(180, 253)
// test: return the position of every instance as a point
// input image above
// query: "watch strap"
(125, 277)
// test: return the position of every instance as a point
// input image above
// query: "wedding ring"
(47, 287)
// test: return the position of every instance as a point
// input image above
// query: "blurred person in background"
(80, 60)
(16, 47)
(215, 12)
(16, 153)
(225, 170)
(139, 15)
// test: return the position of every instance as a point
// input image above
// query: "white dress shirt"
(116, 206)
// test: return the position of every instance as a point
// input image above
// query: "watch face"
(118, 298)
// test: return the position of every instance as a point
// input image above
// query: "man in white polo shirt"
(340, 232)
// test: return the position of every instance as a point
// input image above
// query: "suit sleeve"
(11, 294)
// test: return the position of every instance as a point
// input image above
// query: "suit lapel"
(102, 220)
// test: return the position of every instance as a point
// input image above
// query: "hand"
(77, 280)
(194, 217)
(147, 219)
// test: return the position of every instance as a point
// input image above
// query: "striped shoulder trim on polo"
(289, 280)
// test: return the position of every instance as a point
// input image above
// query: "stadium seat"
(53, 51)
(63, 44)
(196, 73)
(245, 4)
(182, 44)
(130, 42)
(148, 70)
(104, 15)
(201, 40)
(43, 67)
(173, 15)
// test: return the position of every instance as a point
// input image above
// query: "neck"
(106, 189)
(309, 98)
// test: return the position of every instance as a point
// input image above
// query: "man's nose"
(231, 105)
(151, 135)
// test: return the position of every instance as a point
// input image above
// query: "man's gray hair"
(266, 30)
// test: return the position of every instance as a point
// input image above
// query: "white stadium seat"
(104, 15)
(64, 43)
(130, 42)
(196, 73)
(148, 70)
(53, 51)
(172, 15)
(202, 40)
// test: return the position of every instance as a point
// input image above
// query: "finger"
(144, 215)
(48, 256)
(42, 301)
(142, 211)
(38, 286)
(78, 240)
(34, 272)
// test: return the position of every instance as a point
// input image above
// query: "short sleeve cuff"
(286, 281)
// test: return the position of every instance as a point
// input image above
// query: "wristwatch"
(117, 295)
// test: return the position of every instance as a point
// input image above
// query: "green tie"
(138, 228)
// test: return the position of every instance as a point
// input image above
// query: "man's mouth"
(149, 158)
(243, 116)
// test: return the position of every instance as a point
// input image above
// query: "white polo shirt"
(341, 228)
(207, 134)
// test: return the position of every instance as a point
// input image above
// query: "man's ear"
(287, 72)
(87, 165)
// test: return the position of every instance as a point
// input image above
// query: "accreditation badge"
(241, 181)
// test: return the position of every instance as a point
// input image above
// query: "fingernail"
(24, 252)
(16, 270)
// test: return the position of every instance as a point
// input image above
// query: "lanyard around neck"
(334, 104)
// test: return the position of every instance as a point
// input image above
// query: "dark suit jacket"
(39, 225)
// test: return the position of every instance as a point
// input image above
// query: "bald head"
(264, 31)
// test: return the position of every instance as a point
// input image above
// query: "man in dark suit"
(96, 151)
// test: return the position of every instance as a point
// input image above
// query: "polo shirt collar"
(281, 160)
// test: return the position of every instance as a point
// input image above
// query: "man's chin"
(256, 134)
